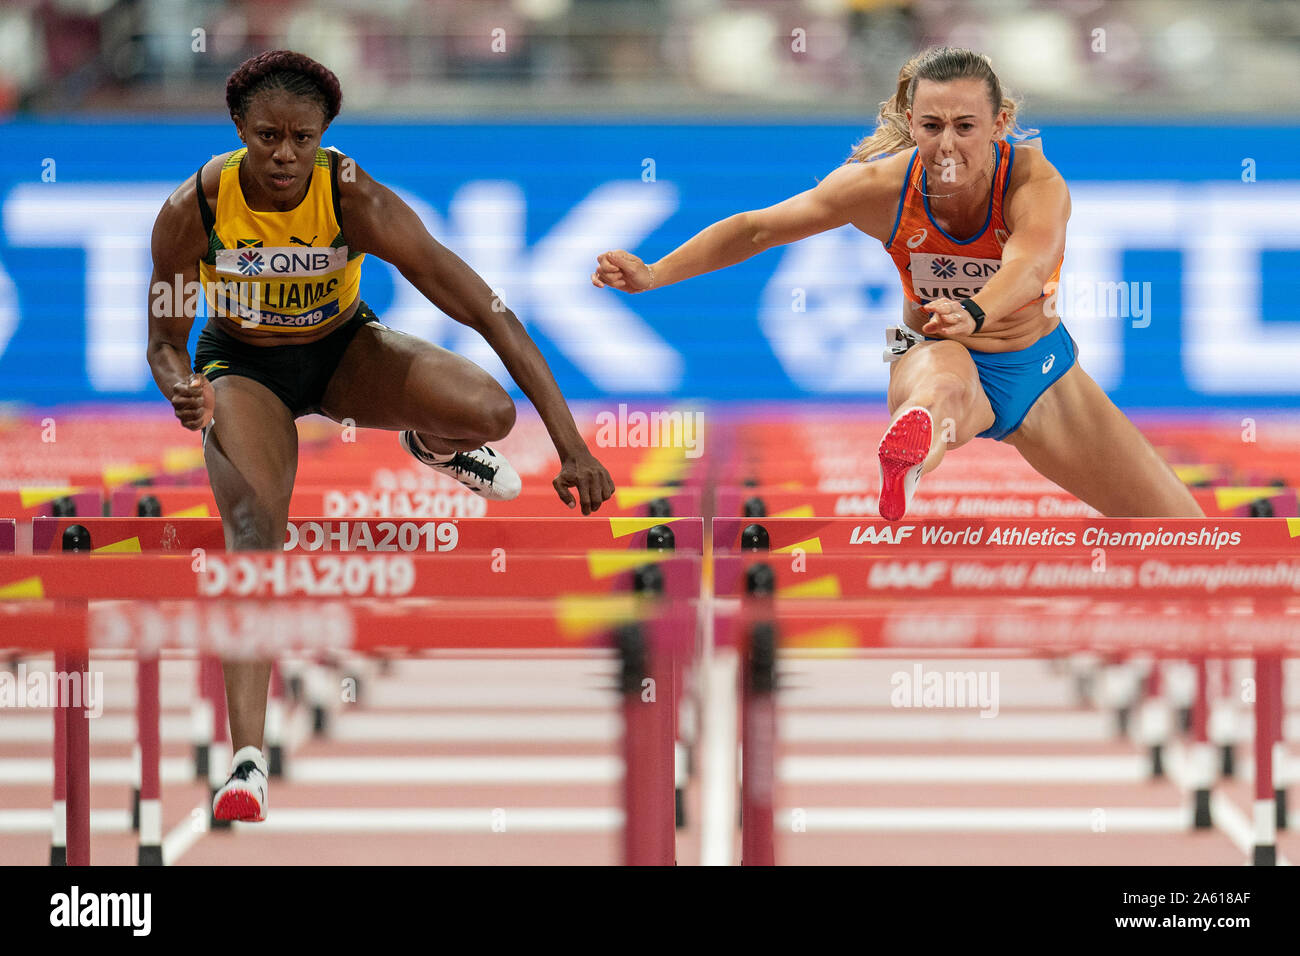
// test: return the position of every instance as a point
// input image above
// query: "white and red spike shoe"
(902, 453)
(244, 796)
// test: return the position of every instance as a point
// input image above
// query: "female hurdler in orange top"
(976, 227)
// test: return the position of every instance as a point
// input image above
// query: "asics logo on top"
(1051, 360)
(918, 238)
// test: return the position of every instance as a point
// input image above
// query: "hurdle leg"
(275, 713)
(1182, 694)
(78, 771)
(1119, 690)
(679, 745)
(758, 748)
(1265, 850)
(220, 752)
(1223, 718)
(1202, 755)
(59, 819)
(149, 749)
(319, 686)
(137, 769)
(1279, 743)
(201, 720)
(1155, 722)
(649, 834)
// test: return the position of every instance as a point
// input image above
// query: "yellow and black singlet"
(281, 273)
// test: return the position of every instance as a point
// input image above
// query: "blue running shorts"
(1013, 381)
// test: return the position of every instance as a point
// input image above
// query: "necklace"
(957, 192)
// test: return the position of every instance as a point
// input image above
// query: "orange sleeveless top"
(933, 264)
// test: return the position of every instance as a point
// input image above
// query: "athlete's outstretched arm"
(177, 245)
(858, 192)
(376, 221)
(1036, 214)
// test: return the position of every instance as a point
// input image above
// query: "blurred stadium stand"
(652, 57)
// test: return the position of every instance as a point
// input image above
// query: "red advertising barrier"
(1073, 536)
(551, 535)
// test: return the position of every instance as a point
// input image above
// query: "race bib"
(949, 277)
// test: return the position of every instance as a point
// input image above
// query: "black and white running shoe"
(244, 796)
(482, 470)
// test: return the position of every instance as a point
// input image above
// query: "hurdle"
(553, 535)
(871, 625)
(863, 565)
(333, 501)
(463, 573)
(204, 617)
(509, 535)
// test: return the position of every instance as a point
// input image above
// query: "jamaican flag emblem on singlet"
(248, 243)
(214, 365)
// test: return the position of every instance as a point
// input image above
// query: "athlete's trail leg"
(252, 457)
(387, 379)
(1075, 436)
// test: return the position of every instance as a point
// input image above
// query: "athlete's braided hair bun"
(283, 70)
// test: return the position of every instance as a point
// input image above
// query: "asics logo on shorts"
(1051, 360)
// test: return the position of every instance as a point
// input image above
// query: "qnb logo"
(301, 262)
(250, 263)
(943, 268)
(74, 908)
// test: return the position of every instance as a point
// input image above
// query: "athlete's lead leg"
(937, 403)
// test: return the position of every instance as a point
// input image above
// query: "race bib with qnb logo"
(279, 287)
(949, 277)
(287, 261)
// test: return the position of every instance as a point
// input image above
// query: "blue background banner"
(1179, 283)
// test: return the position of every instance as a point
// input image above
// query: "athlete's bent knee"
(251, 527)
(947, 392)
(499, 415)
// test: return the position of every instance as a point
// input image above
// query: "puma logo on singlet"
(293, 239)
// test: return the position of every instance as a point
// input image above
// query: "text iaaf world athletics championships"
(1050, 537)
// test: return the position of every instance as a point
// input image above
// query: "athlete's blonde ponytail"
(940, 64)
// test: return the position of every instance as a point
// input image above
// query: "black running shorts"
(297, 374)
